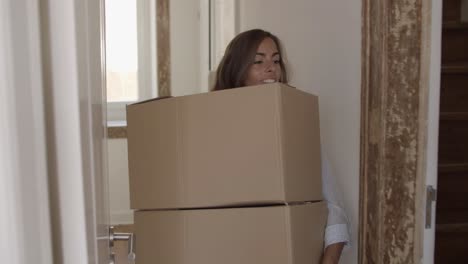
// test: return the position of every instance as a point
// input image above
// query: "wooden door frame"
(394, 94)
(163, 47)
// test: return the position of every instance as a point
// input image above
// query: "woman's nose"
(270, 66)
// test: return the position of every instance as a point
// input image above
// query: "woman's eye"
(276, 61)
(258, 62)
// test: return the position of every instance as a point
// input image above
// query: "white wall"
(185, 47)
(119, 193)
(322, 40)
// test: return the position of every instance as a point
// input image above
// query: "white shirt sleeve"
(337, 229)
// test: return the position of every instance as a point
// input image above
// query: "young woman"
(255, 57)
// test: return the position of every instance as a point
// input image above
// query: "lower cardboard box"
(280, 234)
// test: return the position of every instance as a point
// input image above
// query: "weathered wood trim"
(163, 47)
(393, 120)
(117, 132)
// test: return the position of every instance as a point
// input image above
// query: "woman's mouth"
(269, 81)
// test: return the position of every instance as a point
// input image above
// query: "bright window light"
(121, 50)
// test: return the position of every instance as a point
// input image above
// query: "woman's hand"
(332, 253)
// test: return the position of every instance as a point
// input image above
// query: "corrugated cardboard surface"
(260, 235)
(234, 147)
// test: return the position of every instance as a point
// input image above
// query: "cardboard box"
(253, 145)
(254, 235)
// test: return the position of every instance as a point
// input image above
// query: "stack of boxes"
(230, 176)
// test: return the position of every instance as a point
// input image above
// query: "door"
(452, 205)
(53, 178)
(89, 16)
(72, 56)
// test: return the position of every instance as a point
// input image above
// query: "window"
(130, 55)
(131, 48)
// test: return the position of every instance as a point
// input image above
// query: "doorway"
(452, 204)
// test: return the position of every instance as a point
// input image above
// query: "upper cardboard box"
(252, 145)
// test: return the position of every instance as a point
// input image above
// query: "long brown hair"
(239, 56)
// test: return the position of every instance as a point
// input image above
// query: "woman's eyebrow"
(263, 54)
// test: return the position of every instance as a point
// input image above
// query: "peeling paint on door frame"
(395, 56)
(163, 47)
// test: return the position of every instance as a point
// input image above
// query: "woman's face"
(266, 67)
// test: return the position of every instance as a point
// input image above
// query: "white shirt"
(337, 222)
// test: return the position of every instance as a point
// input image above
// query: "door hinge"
(431, 197)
